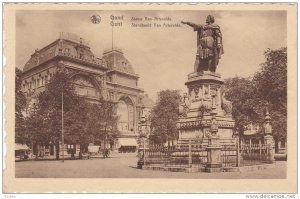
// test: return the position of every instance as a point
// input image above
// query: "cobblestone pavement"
(124, 166)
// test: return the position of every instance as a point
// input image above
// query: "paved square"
(124, 166)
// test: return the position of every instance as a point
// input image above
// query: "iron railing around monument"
(254, 152)
(175, 157)
(229, 155)
(244, 155)
(196, 155)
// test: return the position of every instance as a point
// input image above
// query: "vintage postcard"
(146, 98)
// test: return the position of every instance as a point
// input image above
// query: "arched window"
(84, 86)
(125, 111)
(123, 114)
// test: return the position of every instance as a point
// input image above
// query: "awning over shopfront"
(127, 142)
(21, 147)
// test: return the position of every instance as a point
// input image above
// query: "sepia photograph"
(149, 92)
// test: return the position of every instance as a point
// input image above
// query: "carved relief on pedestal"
(218, 98)
(206, 102)
(192, 93)
(196, 89)
(195, 94)
(200, 97)
(207, 133)
(184, 106)
(99, 79)
(205, 123)
(205, 106)
(206, 92)
(200, 92)
(213, 91)
(226, 105)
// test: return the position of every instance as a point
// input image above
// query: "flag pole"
(112, 37)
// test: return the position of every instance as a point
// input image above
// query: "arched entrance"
(125, 110)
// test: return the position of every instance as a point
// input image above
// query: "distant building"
(252, 134)
(111, 77)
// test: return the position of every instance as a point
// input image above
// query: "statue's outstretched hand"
(183, 22)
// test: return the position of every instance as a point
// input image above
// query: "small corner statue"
(209, 45)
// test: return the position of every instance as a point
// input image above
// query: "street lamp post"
(143, 134)
(144, 150)
(62, 125)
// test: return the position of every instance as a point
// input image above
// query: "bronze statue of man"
(209, 45)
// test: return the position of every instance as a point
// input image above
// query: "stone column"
(269, 141)
(285, 151)
(268, 138)
(219, 100)
(214, 161)
(259, 149)
(190, 153)
(135, 117)
(179, 132)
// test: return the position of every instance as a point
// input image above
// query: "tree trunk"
(82, 148)
(276, 145)
(105, 138)
(104, 150)
(57, 151)
(37, 151)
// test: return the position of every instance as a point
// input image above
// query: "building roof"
(67, 45)
(116, 61)
(19, 146)
(251, 130)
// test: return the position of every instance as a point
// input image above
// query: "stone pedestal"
(269, 141)
(214, 161)
(195, 118)
(206, 117)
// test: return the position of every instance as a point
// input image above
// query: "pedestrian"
(72, 154)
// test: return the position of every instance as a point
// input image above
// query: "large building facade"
(110, 77)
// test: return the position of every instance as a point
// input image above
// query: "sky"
(161, 56)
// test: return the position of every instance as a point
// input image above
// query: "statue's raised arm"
(209, 45)
(192, 24)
